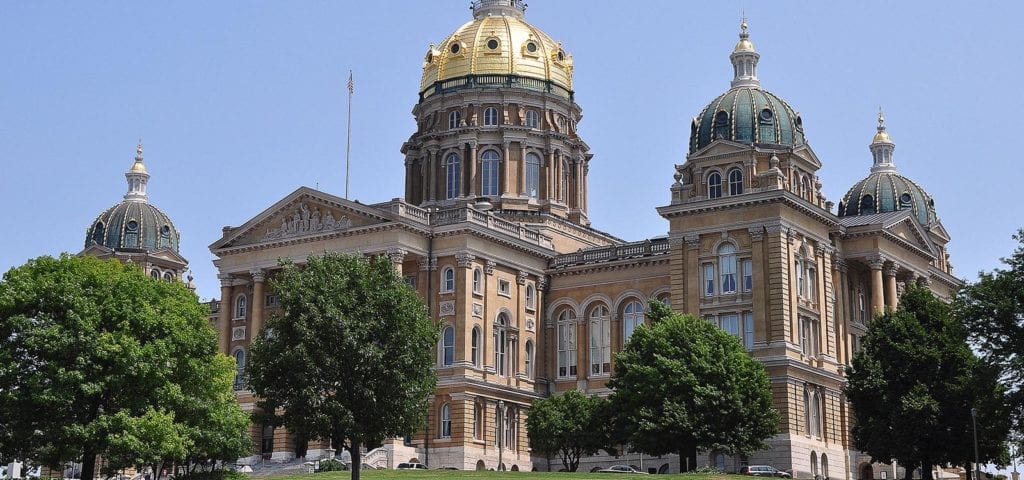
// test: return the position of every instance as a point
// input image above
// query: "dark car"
(763, 471)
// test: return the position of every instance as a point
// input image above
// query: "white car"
(410, 466)
(620, 469)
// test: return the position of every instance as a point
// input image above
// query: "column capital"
(838, 262)
(542, 283)
(875, 262)
(756, 233)
(258, 275)
(692, 241)
(226, 280)
(890, 269)
(489, 267)
(923, 281)
(464, 260)
(397, 255)
(521, 277)
(428, 264)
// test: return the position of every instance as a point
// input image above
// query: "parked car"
(620, 469)
(763, 471)
(410, 466)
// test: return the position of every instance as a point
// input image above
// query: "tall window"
(531, 297)
(747, 267)
(448, 346)
(474, 346)
(814, 464)
(748, 330)
(446, 421)
(600, 341)
(812, 403)
(510, 428)
(448, 280)
(809, 335)
(453, 120)
(714, 185)
(632, 317)
(805, 187)
(812, 283)
(532, 175)
(735, 181)
(709, 279)
(727, 265)
(478, 420)
(567, 343)
(239, 369)
(490, 117)
(528, 361)
(740, 325)
(501, 345)
(532, 119)
(98, 233)
(453, 175)
(490, 166)
(801, 281)
(824, 465)
(731, 324)
(477, 280)
(241, 305)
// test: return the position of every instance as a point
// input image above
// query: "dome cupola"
(884, 189)
(746, 113)
(134, 224)
(497, 48)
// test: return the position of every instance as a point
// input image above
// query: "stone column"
(258, 276)
(891, 297)
(463, 306)
(226, 282)
(842, 305)
(472, 169)
(522, 170)
(758, 277)
(506, 184)
(397, 256)
(549, 174)
(694, 281)
(877, 305)
(432, 174)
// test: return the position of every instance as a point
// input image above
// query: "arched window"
(240, 306)
(474, 346)
(453, 175)
(867, 205)
(501, 345)
(446, 421)
(532, 119)
(812, 404)
(98, 233)
(566, 343)
(490, 117)
(510, 428)
(721, 125)
(814, 464)
(448, 280)
(453, 120)
(824, 465)
(489, 168)
(165, 236)
(531, 297)
(532, 184)
(478, 420)
(563, 193)
(131, 234)
(718, 461)
(665, 299)
(155, 274)
(735, 181)
(632, 317)
(477, 280)
(529, 359)
(805, 187)
(714, 185)
(168, 276)
(447, 346)
(600, 341)
(239, 368)
(727, 267)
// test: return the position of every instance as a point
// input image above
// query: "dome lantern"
(483, 8)
(137, 177)
(744, 60)
(882, 148)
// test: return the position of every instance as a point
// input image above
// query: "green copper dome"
(133, 225)
(884, 192)
(747, 114)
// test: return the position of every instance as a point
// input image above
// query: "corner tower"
(496, 120)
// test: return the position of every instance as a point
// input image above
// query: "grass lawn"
(445, 474)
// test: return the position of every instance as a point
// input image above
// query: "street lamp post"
(501, 431)
(974, 424)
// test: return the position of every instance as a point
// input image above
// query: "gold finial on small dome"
(138, 166)
(744, 45)
(881, 136)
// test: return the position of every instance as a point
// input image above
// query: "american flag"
(351, 85)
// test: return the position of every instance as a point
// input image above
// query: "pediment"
(910, 231)
(305, 213)
(720, 147)
(940, 231)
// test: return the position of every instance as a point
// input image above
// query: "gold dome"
(882, 137)
(497, 45)
(744, 45)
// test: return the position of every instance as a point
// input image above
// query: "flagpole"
(348, 139)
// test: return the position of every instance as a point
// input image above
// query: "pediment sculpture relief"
(304, 221)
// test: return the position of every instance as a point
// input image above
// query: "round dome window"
(905, 198)
(455, 48)
(531, 47)
(561, 55)
(492, 44)
(133, 226)
(165, 231)
(766, 115)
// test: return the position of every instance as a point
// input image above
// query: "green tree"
(569, 425)
(682, 384)
(97, 358)
(914, 383)
(992, 309)
(351, 355)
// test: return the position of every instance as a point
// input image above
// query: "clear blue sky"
(240, 102)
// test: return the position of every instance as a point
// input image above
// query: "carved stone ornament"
(428, 264)
(304, 221)
(397, 255)
(478, 310)
(530, 325)
(465, 260)
(447, 308)
(238, 333)
(521, 278)
(489, 267)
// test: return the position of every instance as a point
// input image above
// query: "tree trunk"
(908, 472)
(926, 471)
(88, 463)
(357, 461)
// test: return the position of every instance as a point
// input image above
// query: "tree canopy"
(569, 425)
(992, 309)
(913, 385)
(682, 384)
(350, 356)
(97, 358)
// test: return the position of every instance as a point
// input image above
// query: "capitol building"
(494, 232)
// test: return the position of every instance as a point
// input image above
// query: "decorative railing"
(377, 458)
(469, 215)
(497, 81)
(644, 248)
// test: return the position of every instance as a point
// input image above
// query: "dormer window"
(531, 47)
(453, 120)
(905, 200)
(532, 119)
(714, 185)
(735, 181)
(455, 48)
(490, 117)
(493, 44)
(867, 205)
(721, 125)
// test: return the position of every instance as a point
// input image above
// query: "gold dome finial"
(881, 136)
(744, 45)
(138, 166)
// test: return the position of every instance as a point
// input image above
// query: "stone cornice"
(750, 199)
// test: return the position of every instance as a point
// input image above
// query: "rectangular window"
(731, 324)
(504, 288)
(410, 280)
(709, 279)
(567, 349)
(812, 284)
(748, 330)
(727, 264)
(270, 300)
(801, 284)
(809, 342)
(747, 265)
(600, 346)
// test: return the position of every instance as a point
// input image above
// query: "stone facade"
(494, 235)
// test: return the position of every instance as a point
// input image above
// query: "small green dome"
(750, 115)
(133, 225)
(883, 192)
